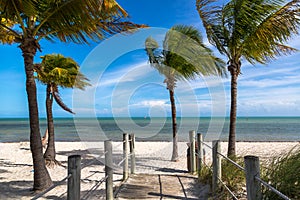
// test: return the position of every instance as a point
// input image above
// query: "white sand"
(16, 173)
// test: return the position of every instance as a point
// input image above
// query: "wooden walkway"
(164, 186)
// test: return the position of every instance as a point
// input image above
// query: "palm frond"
(215, 24)
(62, 71)
(78, 21)
(58, 99)
(7, 34)
(70, 21)
(151, 47)
(253, 29)
(183, 57)
(186, 53)
(274, 28)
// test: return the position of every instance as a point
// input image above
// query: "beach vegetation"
(30, 21)
(56, 71)
(283, 173)
(246, 30)
(234, 178)
(183, 57)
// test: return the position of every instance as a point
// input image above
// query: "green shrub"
(233, 177)
(205, 175)
(283, 173)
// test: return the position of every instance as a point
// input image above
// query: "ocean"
(157, 129)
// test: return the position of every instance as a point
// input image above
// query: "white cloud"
(151, 103)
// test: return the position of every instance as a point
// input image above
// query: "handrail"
(95, 187)
(51, 187)
(232, 162)
(243, 169)
(232, 194)
(227, 188)
(272, 188)
(94, 160)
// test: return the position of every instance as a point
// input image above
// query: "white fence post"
(192, 152)
(125, 156)
(132, 153)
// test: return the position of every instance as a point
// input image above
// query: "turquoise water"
(157, 129)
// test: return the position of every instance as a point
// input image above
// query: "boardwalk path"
(164, 186)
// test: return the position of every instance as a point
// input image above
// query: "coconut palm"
(67, 21)
(57, 71)
(254, 30)
(183, 57)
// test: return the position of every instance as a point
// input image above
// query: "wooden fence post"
(74, 169)
(132, 152)
(200, 152)
(125, 156)
(192, 152)
(109, 169)
(217, 170)
(252, 185)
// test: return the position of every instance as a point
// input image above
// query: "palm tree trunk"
(234, 71)
(50, 151)
(42, 178)
(174, 126)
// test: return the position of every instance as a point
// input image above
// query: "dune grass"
(283, 173)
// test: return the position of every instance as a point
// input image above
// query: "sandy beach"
(151, 157)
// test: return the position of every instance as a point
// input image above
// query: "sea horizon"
(260, 128)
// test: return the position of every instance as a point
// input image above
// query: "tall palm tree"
(183, 57)
(68, 21)
(254, 30)
(57, 71)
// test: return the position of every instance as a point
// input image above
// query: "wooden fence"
(252, 170)
(74, 169)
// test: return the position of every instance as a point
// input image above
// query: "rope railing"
(94, 188)
(93, 161)
(251, 169)
(272, 188)
(123, 160)
(51, 187)
(232, 162)
(227, 188)
(75, 166)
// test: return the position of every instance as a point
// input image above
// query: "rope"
(272, 189)
(128, 155)
(241, 168)
(225, 186)
(51, 188)
(94, 160)
(234, 163)
(121, 161)
(94, 188)
(207, 145)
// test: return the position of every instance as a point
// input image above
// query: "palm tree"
(254, 30)
(57, 70)
(183, 57)
(68, 21)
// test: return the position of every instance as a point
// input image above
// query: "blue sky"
(123, 83)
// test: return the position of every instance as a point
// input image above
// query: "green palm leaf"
(255, 30)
